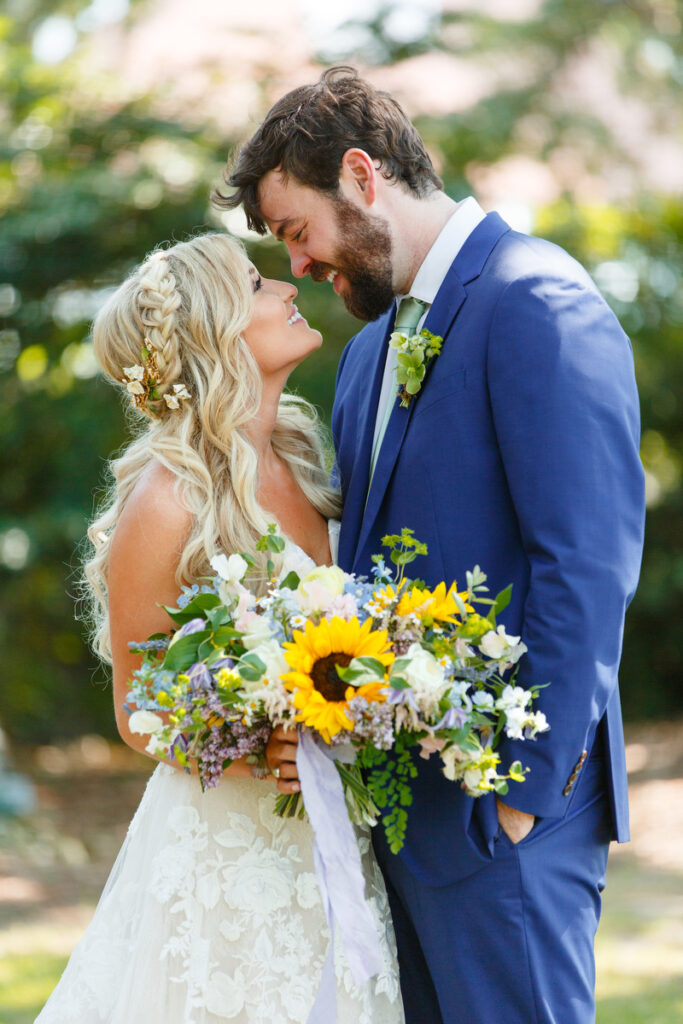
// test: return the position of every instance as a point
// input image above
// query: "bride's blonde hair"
(188, 305)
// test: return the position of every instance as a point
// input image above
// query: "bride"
(211, 911)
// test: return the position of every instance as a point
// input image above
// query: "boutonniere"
(414, 354)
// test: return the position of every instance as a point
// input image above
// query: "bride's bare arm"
(145, 552)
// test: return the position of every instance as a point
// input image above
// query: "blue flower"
(187, 595)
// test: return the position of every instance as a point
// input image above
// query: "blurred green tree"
(87, 186)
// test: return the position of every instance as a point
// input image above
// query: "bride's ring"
(276, 773)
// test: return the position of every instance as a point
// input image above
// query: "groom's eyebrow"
(285, 225)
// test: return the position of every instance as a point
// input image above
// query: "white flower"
(174, 399)
(272, 656)
(496, 643)
(156, 746)
(540, 723)
(232, 569)
(256, 630)
(523, 724)
(423, 671)
(144, 722)
(516, 719)
(345, 606)
(277, 702)
(499, 646)
(134, 387)
(459, 690)
(295, 560)
(482, 699)
(513, 697)
(477, 779)
(314, 597)
(134, 372)
(454, 761)
(426, 678)
(330, 576)
(246, 602)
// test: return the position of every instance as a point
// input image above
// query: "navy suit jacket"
(519, 454)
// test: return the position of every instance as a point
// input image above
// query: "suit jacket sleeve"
(565, 409)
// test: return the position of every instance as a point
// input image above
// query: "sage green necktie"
(407, 318)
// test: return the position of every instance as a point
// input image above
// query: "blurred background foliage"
(92, 177)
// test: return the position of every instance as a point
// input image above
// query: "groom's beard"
(365, 262)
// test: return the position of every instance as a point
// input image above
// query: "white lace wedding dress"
(212, 913)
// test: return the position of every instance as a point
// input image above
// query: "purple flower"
(373, 721)
(199, 676)
(406, 697)
(229, 744)
(455, 718)
(222, 663)
(193, 626)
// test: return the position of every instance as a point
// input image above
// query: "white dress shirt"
(428, 280)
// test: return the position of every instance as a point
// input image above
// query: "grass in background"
(63, 853)
(25, 983)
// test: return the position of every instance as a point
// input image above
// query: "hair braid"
(158, 300)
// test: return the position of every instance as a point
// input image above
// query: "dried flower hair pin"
(174, 398)
(142, 381)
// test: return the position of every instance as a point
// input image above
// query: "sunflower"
(320, 696)
(436, 605)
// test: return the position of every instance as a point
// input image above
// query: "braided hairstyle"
(158, 301)
(173, 331)
(147, 358)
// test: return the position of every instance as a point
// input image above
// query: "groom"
(519, 453)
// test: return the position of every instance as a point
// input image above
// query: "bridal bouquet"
(373, 670)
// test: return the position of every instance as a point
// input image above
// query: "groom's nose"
(301, 263)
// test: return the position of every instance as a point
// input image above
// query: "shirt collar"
(448, 244)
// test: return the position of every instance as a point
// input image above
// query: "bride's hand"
(281, 759)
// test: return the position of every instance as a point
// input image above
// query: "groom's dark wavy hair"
(307, 132)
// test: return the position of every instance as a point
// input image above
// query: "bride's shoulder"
(153, 515)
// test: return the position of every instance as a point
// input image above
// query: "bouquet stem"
(289, 805)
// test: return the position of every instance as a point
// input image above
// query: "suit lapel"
(354, 501)
(450, 297)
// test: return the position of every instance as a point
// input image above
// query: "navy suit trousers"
(513, 942)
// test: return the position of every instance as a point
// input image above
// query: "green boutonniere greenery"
(414, 354)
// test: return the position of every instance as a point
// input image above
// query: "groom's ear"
(358, 177)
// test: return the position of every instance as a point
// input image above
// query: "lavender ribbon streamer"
(339, 873)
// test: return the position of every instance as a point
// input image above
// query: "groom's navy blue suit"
(519, 454)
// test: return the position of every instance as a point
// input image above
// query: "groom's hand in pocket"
(515, 824)
(281, 758)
